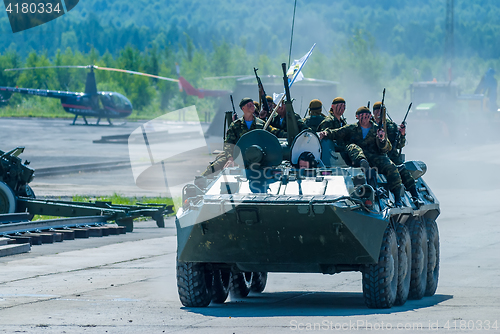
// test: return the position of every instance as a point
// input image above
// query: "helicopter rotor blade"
(227, 77)
(137, 73)
(97, 68)
(35, 68)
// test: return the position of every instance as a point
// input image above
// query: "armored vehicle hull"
(258, 218)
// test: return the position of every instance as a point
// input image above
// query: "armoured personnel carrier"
(267, 215)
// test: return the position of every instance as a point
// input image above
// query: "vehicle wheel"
(418, 280)
(7, 199)
(240, 284)
(380, 281)
(259, 281)
(433, 257)
(220, 286)
(194, 284)
(404, 264)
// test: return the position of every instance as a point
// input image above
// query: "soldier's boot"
(398, 192)
(415, 197)
(370, 175)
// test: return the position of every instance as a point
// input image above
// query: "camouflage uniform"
(237, 129)
(313, 121)
(331, 122)
(281, 125)
(395, 156)
(369, 148)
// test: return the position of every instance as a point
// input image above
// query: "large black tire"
(418, 280)
(220, 285)
(194, 284)
(380, 281)
(240, 284)
(433, 257)
(7, 199)
(404, 264)
(259, 281)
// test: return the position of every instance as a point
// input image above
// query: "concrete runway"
(126, 284)
(53, 143)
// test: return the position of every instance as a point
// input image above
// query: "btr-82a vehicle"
(266, 215)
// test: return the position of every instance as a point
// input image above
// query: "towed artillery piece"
(269, 216)
(16, 196)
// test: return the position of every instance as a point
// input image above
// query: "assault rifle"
(230, 117)
(383, 123)
(262, 93)
(398, 135)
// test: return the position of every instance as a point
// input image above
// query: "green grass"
(118, 199)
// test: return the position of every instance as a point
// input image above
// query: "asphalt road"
(126, 284)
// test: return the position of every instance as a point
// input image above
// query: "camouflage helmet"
(315, 107)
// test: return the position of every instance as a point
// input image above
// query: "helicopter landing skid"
(96, 123)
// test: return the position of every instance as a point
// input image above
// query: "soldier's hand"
(381, 134)
(322, 134)
(263, 114)
(229, 163)
(402, 129)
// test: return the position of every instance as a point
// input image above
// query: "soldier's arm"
(230, 141)
(277, 132)
(392, 134)
(339, 133)
(384, 146)
(402, 142)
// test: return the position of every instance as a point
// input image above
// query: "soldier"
(256, 112)
(367, 145)
(395, 155)
(315, 116)
(263, 115)
(237, 129)
(336, 119)
(306, 160)
(279, 120)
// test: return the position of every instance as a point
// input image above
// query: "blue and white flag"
(294, 72)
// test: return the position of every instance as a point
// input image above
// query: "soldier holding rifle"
(237, 129)
(397, 136)
(367, 145)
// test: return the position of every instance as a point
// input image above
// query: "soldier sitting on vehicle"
(263, 115)
(395, 154)
(367, 145)
(315, 116)
(279, 120)
(334, 121)
(257, 109)
(237, 129)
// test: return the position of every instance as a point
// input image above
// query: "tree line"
(359, 65)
